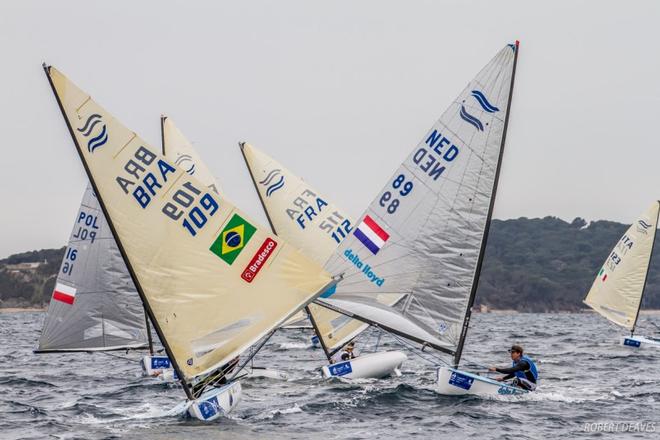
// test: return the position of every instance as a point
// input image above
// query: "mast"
(146, 316)
(151, 341)
(162, 133)
(138, 287)
(646, 277)
(316, 330)
(254, 182)
(477, 273)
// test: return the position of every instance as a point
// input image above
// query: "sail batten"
(425, 232)
(213, 281)
(617, 291)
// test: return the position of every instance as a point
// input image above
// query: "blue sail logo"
(97, 134)
(485, 105)
(471, 119)
(186, 162)
(643, 226)
(483, 101)
(273, 181)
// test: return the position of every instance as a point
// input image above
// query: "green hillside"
(532, 265)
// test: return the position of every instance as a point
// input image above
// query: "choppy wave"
(94, 396)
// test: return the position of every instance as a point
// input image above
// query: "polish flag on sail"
(371, 234)
(64, 293)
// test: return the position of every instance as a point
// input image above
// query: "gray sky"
(337, 91)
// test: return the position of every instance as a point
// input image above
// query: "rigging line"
(380, 333)
(476, 364)
(414, 350)
(253, 354)
(216, 376)
(117, 356)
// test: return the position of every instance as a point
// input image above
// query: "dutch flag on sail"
(64, 293)
(371, 234)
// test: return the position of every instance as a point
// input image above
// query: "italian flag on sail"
(600, 274)
(64, 293)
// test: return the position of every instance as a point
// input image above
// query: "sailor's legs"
(524, 384)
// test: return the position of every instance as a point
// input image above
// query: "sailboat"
(178, 149)
(212, 281)
(94, 305)
(102, 311)
(307, 219)
(425, 233)
(619, 287)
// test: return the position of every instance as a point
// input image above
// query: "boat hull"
(216, 402)
(453, 382)
(637, 341)
(373, 365)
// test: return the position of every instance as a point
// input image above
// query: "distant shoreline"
(22, 309)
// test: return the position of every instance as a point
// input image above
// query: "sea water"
(590, 386)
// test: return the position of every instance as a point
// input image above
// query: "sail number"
(308, 207)
(69, 258)
(389, 199)
(613, 261)
(195, 210)
(338, 231)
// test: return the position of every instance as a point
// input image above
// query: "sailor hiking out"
(347, 353)
(523, 371)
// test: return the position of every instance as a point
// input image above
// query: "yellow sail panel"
(214, 281)
(179, 150)
(308, 220)
(299, 213)
(617, 290)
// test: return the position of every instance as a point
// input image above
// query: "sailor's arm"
(520, 366)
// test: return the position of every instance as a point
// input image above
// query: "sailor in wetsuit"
(347, 354)
(523, 371)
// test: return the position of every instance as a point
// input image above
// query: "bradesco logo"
(259, 259)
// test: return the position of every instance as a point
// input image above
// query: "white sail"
(308, 220)
(212, 281)
(179, 150)
(424, 233)
(94, 305)
(618, 288)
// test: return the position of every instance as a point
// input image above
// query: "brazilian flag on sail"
(233, 238)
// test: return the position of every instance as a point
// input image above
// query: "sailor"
(523, 371)
(228, 368)
(348, 352)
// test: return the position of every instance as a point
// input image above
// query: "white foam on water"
(294, 345)
(274, 412)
